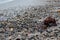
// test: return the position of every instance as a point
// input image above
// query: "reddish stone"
(49, 20)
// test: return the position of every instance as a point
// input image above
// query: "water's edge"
(23, 3)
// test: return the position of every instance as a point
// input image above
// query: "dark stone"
(9, 39)
(18, 39)
(50, 22)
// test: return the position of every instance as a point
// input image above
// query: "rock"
(18, 39)
(43, 27)
(53, 38)
(56, 30)
(48, 38)
(52, 34)
(49, 31)
(45, 34)
(49, 21)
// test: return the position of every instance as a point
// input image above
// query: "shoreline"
(14, 11)
(22, 3)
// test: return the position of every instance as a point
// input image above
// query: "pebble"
(53, 38)
(49, 31)
(48, 39)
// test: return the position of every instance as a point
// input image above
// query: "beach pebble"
(53, 38)
(48, 38)
(49, 31)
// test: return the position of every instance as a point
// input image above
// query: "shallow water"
(5, 1)
(21, 3)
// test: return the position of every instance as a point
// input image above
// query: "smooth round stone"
(45, 34)
(18, 39)
(56, 30)
(48, 38)
(49, 31)
(52, 34)
(53, 38)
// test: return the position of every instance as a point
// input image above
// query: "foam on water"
(22, 3)
(5, 1)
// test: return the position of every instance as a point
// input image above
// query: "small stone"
(43, 27)
(48, 39)
(49, 31)
(53, 38)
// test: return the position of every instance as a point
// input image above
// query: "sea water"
(5, 1)
(21, 3)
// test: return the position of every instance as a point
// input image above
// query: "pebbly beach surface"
(18, 23)
(26, 24)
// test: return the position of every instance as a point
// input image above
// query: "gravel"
(28, 26)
